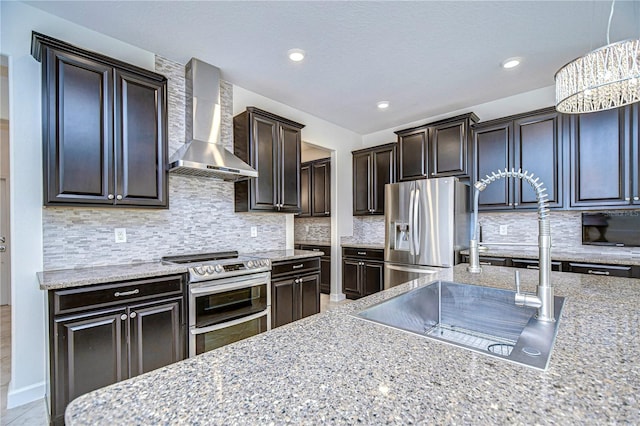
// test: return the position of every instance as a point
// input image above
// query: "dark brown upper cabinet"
(315, 189)
(436, 149)
(604, 159)
(271, 145)
(104, 129)
(531, 142)
(373, 168)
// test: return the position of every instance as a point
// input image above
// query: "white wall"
(28, 332)
(523, 102)
(325, 135)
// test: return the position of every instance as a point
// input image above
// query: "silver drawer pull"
(123, 317)
(126, 293)
(592, 272)
(297, 266)
(362, 253)
(485, 263)
(315, 249)
(532, 267)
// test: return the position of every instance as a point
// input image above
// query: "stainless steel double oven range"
(229, 298)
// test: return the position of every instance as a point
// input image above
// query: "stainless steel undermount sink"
(481, 319)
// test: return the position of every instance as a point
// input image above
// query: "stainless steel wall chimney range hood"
(203, 155)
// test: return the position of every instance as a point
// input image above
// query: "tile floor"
(35, 413)
(32, 414)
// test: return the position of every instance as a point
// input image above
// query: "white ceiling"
(427, 58)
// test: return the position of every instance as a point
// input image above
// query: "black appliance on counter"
(619, 229)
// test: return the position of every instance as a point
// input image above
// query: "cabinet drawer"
(533, 264)
(96, 296)
(370, 254)
(280, 269)
(595, 269)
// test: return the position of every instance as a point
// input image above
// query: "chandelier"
(606, 78)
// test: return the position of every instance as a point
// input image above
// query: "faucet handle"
(517, 278)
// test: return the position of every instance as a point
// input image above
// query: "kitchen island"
(334, 368)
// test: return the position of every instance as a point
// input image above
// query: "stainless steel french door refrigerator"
(427, 224)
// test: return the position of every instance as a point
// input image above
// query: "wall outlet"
(121, 235)
(504, 229)
(254, 231)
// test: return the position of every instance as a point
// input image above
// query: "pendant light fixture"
(606, 78)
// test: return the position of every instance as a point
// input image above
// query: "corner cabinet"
(531, 142)
(295, 290)
(373, 168)
(605, 159)
(104, 129)
(436, 149)
(315, 190)
(102, 334)
(271, 145)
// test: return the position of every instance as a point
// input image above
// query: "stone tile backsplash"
(201, 216)
(312, 229)
(366, 230)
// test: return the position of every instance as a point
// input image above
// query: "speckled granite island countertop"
(333, 368)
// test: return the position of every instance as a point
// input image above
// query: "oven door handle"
(196, 331)
(219, 286)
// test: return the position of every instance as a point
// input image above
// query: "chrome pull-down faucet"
(543, 300)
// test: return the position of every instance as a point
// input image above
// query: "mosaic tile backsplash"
(201, 216)
(522, 227)
(312, 229)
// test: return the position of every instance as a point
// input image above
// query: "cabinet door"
(140, 141)
(289, 164)
(283, 302)
(351, 278)
(412, 155)
(305, 190)
(599, 159)
(361, 184)
(90, 352)
(538, 150)
(309, 295)
(156, 335)
(383, 173)
(492, 147)
(78, 139)
(321, 186)
(264, 152)
(448, 150)
(325, 273)
(372, 277)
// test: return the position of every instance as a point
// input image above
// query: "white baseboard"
(25, 395)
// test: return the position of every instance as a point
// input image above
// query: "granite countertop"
(560, 255)
(282, 255)
(364, 245)
(313, 242)
(67, 278)
(336, 369)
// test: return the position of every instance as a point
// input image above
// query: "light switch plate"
(121, 235)
(254, 231)
(504, 229)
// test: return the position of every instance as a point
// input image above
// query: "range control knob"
(250, 264)
(210, 269)
(199, 270)
(219, 268)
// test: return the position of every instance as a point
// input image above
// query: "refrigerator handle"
(411, 221)
(416, 222)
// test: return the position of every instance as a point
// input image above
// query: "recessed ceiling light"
(383, 104)
(510, 63)
(296, 55)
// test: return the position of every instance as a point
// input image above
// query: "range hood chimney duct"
(203, 155)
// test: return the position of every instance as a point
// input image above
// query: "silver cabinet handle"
(532, 267)
(123, 317)
(118, 197)
(330, 212)
(515, 204)
(592, 272)
(627, 199)
(133, 315)
(636, 198)
(110, 196)
(297, 266)
(126, 293)
(362, 253)
(485, 263)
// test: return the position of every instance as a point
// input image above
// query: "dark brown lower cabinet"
(362, 274)
(295, 290)
(102, 334)
(325, 266)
